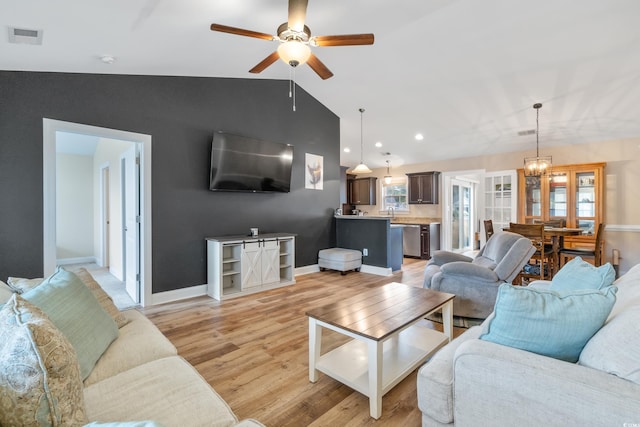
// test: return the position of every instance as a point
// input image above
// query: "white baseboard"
(380, 271)
(178, 294)
(307, 269)
(79, 260)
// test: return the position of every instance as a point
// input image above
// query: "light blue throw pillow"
(74, 310)
(546, 322)
(579, 274)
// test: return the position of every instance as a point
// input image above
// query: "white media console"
(239, 265)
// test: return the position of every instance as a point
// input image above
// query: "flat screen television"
(240, 163)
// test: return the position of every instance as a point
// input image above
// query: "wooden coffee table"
(387, 344)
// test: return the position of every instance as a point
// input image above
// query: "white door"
(461, 215)
(105, 219)
(130, 220)
(270, 261)
(251, 265)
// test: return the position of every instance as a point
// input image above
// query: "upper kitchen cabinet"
(361, 191)
(423, 188)
(574, 193)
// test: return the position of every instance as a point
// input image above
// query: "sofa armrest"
(498, 385)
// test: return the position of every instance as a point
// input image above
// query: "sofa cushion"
(21, 285)
(74, 310)
(139, 342)
(146, 423)
(39, 374)
(435, 380)
(579, 274)
(5, 293)
(169, 391)
(628, 291)
(615, 349)
(103, 298)
(547, 322)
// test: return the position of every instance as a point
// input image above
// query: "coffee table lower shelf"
(401, 354)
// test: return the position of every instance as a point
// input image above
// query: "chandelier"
(538, 165)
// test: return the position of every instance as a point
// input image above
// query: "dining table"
(557, 235)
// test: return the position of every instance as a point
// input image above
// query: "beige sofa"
(139, 377)
(473, 382)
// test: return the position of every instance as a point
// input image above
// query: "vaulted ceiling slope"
(464, 73)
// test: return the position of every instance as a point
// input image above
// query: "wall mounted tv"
(240, 163)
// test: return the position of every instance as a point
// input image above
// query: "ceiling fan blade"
(317, 66)
(297, 14)
(343, 40)
(240, 32)
(265, 63)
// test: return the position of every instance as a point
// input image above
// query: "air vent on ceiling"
(527, 132)
(25, 36)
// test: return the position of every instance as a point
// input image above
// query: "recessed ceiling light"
(107, 59)
(378, 144)
(347, 150)
(419, 137)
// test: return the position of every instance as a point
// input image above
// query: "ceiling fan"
(295, 38)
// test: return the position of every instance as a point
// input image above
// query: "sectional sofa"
(139, 377)
(476, 382)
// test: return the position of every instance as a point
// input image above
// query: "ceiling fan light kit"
(294, 52)
(539, 165)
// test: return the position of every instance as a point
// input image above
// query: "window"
(394, 194)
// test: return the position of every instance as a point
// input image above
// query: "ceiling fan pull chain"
(293, 83)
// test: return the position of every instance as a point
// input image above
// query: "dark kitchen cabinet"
(361, 191)
(423, 188)
(429, 240)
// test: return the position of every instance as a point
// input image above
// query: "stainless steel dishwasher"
(411, 240)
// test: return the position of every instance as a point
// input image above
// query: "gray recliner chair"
(475, 281)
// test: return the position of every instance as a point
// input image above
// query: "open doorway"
(108, 250)
(460, 210)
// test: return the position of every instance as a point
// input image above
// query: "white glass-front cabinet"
(500, 199)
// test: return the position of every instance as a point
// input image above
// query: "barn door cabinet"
(423, 188)
(239, 265)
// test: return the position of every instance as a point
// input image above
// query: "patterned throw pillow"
(5, 293)
(39, 372)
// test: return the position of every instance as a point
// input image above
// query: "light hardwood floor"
(254, 351)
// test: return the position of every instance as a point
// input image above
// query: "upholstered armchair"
(475, 281)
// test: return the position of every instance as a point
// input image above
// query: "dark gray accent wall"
(180, 114)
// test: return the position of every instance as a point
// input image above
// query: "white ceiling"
(465, 73)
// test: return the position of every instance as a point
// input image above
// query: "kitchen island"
(379, 241)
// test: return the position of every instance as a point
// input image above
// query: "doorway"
(142, 219)
(460, 210)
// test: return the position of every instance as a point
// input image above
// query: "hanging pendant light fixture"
(361, 168)
(387, 178)
(538, 165)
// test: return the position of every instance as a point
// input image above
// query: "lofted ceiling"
(464, 73)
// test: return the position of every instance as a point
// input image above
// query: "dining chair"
(554, 223)
(595, 253)
(541, 262)
(488, 228)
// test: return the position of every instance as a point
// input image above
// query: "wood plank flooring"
(254, 351)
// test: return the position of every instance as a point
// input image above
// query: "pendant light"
(538, 165)
(387, 178)
(361, 168)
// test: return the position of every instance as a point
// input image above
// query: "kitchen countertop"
(393, 220)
